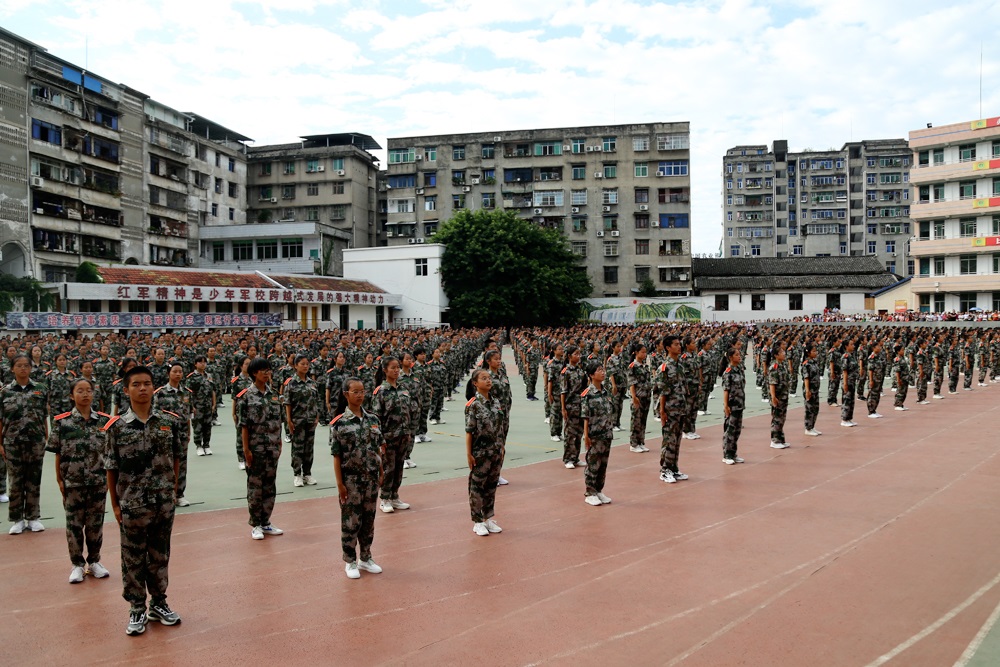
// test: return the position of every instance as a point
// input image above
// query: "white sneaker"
(657, 418)
(386, 507)
(271, 530)
(939, 397)
(604, 498)
(201, 451)
(369, 566)
(257, 533)
(570, 465)
(555, 438)
(636, 449)
(406, 465)
(444, 409)
(901, 408)
(287, 439)
(680, 476)
(502, 481)
(98, 571)
(493, 526)
(297, 481)
(309, 480)
(617, 428)
(708, 412)
(727, 461)
(208, 451)
(701, 413)
(427, 438)
(441, 421)
(216, 422)
(765, 400)
(398, 504)
(76, 575)
(894, 390)
(480, 529)
(644, 448)
(923, 402)
(813, 432)
(4, 498)
(433, 422)
(241, 465)
(844, 423)
(874, 415)
(738, 459)
(792, 395)
(667, 477)
(546, 420)
(580, 464)
(183, 502)
(593, 500)
(36, 526)
(778, 445)
(409, 463)
(352, 571)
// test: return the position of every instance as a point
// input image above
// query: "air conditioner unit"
(497, 138)
(538, 211)
(389, 235)
(599, 174)
(274, 200)
(607, 209)
(616, 233)
(412, 241)
(418, 157)
(321, 168)
(893, 254)
(682, 276)
(567, 148)
(340, 172)
(150, 118)
(643, 207)
(590, 149)
(575, 209)
(388, 187)
(40, 211)
(600, 235)
(654, 223)
(420, 191)
(37, 181)
(466, 188)
(420, 240)
(475, 181)
(661, 173)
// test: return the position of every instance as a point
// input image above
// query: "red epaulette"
(110, 422)
(242, 392)
(632, 364)
(471, 401)
(584, 392)
(172, 414)
(116, 382)
(189, 374)
(233, 381)
(190, 390)
(774, 366)
(330, 370)
(361, 367)
(157, 390)
(65, 414)
(47, 372)
(286, 382)
(314, 360)
(376, 390)
(335, 419)
(565, 368)
(103, 414)
(663, 367)
(728, 368)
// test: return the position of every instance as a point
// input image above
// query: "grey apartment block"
(852, 201)
(620, 194)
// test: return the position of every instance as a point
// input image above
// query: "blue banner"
(141, 320)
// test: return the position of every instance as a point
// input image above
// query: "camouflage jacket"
(393, 407)
(572, 382)
(104, 371)
(175, 401)
(900, 366)
(876, 364)
(735, 382)
(671, 385)
(144, 456)
(596, 409)
(200, 386)
(261, 414)
(639, 377)
(811, 373)
(80, 444)
(23, 412)
(501, 391)
(59, 384)
(777, 376)
(302, 396)
(482, 420)
(358, 442)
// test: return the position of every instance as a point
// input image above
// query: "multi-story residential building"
(619, 193)
(308, 202)
(848, 202)
(956, 211)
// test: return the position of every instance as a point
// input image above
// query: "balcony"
(167, 227)
(955, 207)
(958, 246)
(972, 283)
(954, 171)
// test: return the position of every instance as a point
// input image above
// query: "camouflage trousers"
(617, 404)
(670, 444)
(24, 468)
(969, 372)
(793, 382)
(3, 474)
(901, 394)
(437, 401)
(201, 427)
(392, 465)
(859, 393)
(483, 478)
(690, 411)
(640, 414)
(357, 517)
(145, 539)
(703, 398)
(779, 412)
(531, 381)
(574, 434)
(982, 371)
(833, 389)
(953, 378)
(182, 472)
(84, 506)
(812, 411)
(408, 450)
(938, 381)
(732, 428)
(847, 406)
(261, 486)
(555, 418)
(921, 387)
(597, 465)
(303, 448)
(875, 393)
(422, 408)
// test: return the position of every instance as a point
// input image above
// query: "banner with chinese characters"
(141, 320)
(119, 292)
(985, 123)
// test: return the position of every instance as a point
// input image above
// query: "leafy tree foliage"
(24, 293)
(647, 288)
(499, 269)
(87, 273)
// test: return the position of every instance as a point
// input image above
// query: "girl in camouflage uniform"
(597, 412)
(484, 451)
(301, 399)
(59, 380)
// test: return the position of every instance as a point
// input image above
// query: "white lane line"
(977, 641)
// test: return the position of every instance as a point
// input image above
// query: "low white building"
(413, 272)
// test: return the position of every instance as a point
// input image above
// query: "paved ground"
(873, 545)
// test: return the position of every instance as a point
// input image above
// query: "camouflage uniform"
(217, 374)
(553, 371)
(367, 376)
(876, 366)
(811, 372)
(145, 456)
(691, 366)
(24, 418)
(922, 363)
(392, 406)
(836, 363)
(502, 392)
(332, 382)
(80, 445)
(119, 399)
(238, 384)
(849, 366)
(598, 412)
(410, 383)
(954, 362)
(482, 420)
(161, 374)
(969, 362)
(303, 398)
(639, 377)
(437, 374)
(176, 405)
(673, 394)
(777, 377)
(260, 414)
(202, 412)
(734, 382)
(421, 372)
(901, 367)
(59, 384)
(532, 357)
(615, 369)
(572, 382)
(938, 362)
(357, 441)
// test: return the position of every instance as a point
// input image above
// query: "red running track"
(871, 545)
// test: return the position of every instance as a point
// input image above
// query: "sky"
(817, 73)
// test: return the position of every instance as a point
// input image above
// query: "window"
(458, 152)
(609, 144)
(670, 142)
(489, 176)
(264, 169)
(401, 205)
(518, 175)
(996, 263)
(430, 228)
(489, 151)
(242, 250)
(218, 251)
(642, 221)
(289, 168)
(610, 223)
(797, 250)
(872, 228)
(611, 248)
(401, 155)
(312, 189)
(794, 302)
(967, 227)
(609, 196)
(430, 179)
(833, 301)
(966, 301)
(288, 192)
(610, 275)
(215, 210)
(721, 302)
(674, 220)
(939, 266)
(674, 168)
(890, 246)
(996, 153)
(548, 148)
(579, 223)
(579, 172)
(938, 189)
(338, 187)
(967, 265)
(872, 247)
(757, 302)
(338, 164)
(579, 248)
(579, 198)
(734, 251)
(458, 177)
(755, 250)
(642, 246)
(641, 169)
(967, 190)
(420, 265)
(578, 145)
(610, 171)
(291, 248)
(402, 181)
(338, 212)
(489, 200)
(312, 214)
(458, 201)
(548, 198)
(431, 154)
(234, 190)
(641, 274)
(47, 132)
(232, 213)
(430, 203)
(843, 247)
(939, 229)
(996, 186)
(966, 152)
(267, 249)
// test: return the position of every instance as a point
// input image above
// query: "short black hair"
(257, 365)
(137, 370)
(200, 357)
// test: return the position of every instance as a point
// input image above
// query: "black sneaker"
(162, 613)
(136, 622)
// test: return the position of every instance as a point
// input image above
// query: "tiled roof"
(786, 266)
(331, 284)
(181, 277)
(866, 283)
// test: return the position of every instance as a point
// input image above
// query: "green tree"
(86, 272)
(647, 288)
(24, 293)
(499, 269)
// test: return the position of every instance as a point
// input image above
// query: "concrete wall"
(394, 270)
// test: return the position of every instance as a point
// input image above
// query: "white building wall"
(394, 270)
(775, 306)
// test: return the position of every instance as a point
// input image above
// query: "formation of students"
(122, 429)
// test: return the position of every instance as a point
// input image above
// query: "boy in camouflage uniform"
(203, 398)
(639, 389)
(876, 378)
(484, 451)
(672, 408)
(778, 385)
(811, 372)
(259, 426)
(733, 403)
(23, 432)
(597, 412)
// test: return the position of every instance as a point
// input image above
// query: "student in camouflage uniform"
(59, 380)
(392, 405)
(366, 372)
(483, 450)
(410, 383)
(356, 444)
(437, 373)
(532, 358)
(672, 408)
(734, 400)
(876, 378)
(174, 400)
(23, 432)
(301, 398)
(811, 373)
(691, 366)
(836, 357)
(119, 397)
(639, 388)
(202, 389)
(572, 382)
(87, 372)
(901, 371)
(241, 381)
(330, 383)
(597, 411)
(969, 358)
(160, 368)
(259, 426)
(553, 371)
(77, 440)
(423, 395)
(849, 371)
(954, 364)
(922, 367)
(142, 457)
(939, 356)
(777, 380)
(216, 369)
(615, 369)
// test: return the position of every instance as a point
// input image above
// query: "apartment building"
(956, 211)
(308, 202)
(619, 193)
(92, 170)
(848, 202)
